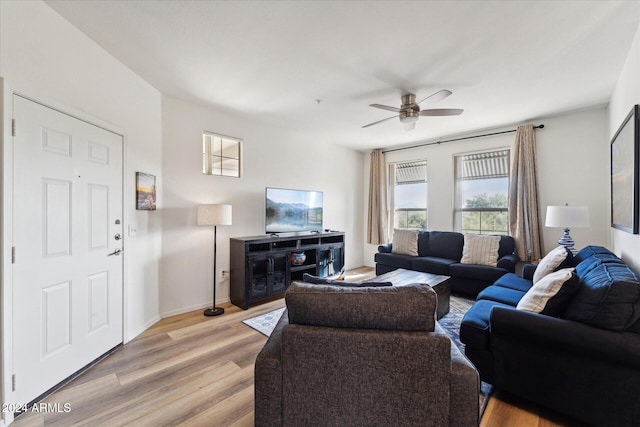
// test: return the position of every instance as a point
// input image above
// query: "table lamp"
(214, 215)
(567, 217)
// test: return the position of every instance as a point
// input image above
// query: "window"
(409, 195)
(220, 155)
(482, 192)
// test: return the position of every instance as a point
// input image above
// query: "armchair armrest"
(528, 270)
(566, 336)
(268, 378)
(386, 248)
(508, 262)
(463, 389)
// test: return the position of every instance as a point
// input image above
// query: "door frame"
(6, 227)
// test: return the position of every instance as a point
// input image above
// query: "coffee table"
(438, 283)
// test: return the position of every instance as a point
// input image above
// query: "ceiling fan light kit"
(409, 112)
(408, 116)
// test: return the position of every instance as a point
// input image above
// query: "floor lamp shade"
(567, 217)
(214, 215)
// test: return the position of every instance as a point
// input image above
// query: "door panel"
(56, 316)
(98, 209)
(67, 209)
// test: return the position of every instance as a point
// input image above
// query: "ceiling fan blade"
(441, 112)
(379, 121)
(385, 107)
(438, 96)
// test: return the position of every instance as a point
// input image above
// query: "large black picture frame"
(625, 152)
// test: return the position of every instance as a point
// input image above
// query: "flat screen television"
(289, 211)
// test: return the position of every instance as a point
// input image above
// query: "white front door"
(67, 233)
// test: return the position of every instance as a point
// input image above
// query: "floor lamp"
(214, 215)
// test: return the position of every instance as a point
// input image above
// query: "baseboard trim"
(191, 308)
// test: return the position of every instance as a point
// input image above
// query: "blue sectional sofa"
(584, 361)
(440, 252)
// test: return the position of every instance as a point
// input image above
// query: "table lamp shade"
(567, 216)
(214, 215)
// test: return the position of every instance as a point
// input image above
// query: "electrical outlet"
(224, 275)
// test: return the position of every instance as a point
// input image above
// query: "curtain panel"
(458, 202)
(378, 215)
(524, 211)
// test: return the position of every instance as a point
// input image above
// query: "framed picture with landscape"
(145, 191)
(625, 150)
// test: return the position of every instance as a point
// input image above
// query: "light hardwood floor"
(197, 371)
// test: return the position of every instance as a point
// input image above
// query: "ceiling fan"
(409, 111)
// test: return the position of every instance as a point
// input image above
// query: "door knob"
(116, 252)
(117, 236)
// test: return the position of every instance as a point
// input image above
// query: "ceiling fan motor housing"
(409, 110)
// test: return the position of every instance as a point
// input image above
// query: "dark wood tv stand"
(261, 266)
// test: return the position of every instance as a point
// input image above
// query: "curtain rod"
(456, 139)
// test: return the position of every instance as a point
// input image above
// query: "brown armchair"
(363, 356)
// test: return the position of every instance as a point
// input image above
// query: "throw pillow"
(315, 280)
(405, 242)
(551, 294)
(551, 262)
(480, 249)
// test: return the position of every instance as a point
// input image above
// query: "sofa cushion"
(608, 298)
(423, 241)
(405, 242)
(480, 249)
(551, 294)
(552, 261)
(394, 260)
(474, 329)
(513, 281)
(315, 280)
(500, 294)
(408, 308)
(585, 266)
(431, 265)
(445, 244)
(474, 271)
(635, 327)
(589, 251)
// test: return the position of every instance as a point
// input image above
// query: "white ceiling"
(506, 62)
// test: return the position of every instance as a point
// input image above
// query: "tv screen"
(293, 210)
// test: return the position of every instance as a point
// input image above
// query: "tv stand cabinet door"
(267, 276)
(258, 270)
(279, 277)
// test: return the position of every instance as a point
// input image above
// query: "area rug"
(450, 322)
(265, 322)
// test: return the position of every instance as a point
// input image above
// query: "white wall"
(45, 57)
(271, 158)
(624, 97)
(571, 166)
